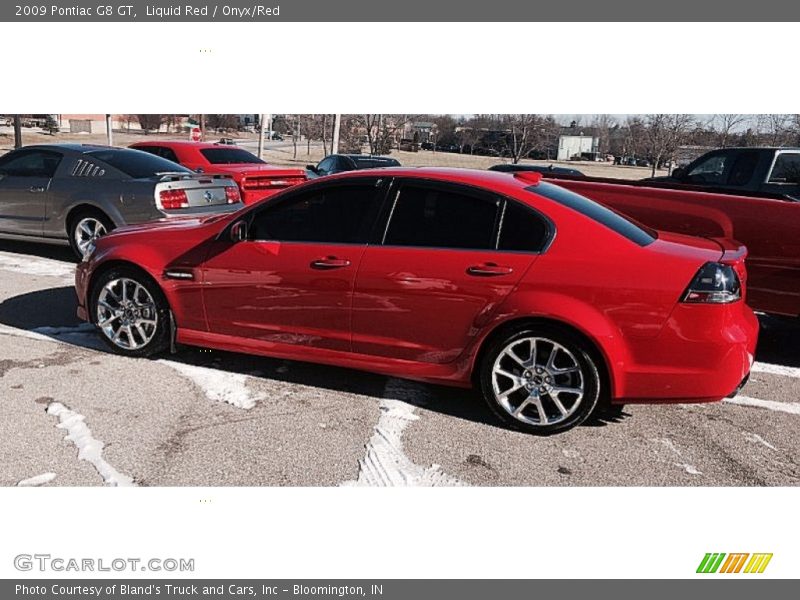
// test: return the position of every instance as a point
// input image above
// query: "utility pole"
(17, 131)
(263, 124)
(337, 123)
(109, 132)
(202, 128)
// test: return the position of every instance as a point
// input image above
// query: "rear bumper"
(703, 354)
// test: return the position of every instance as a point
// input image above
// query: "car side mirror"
(239, 231)
(313, 169)
(679, 173)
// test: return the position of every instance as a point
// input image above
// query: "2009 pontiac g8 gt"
(543, 299)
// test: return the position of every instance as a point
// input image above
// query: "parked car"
(514, 168)
(546, 301)
(338, 163)
(256, 179)
(277, 137)
(768, 225)
(759, 170)
(74, 193)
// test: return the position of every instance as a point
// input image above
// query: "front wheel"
(131, 312)
(540, 379)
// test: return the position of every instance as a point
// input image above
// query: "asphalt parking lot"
(72, 413)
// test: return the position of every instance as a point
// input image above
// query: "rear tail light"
(172, 199)
(714, 283)
(266, 183)
(232, 194)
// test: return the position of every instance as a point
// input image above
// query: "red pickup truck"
(255, 178)
(768, 225)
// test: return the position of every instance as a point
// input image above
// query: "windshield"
(229, 156)
(597, 212)
(372, 163)
(135, 163)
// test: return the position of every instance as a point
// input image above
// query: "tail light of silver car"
(172, 199)
(715, 283)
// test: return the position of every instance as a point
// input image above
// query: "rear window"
(136, 164)
(374, 163)
(596, 212)
(786, 169)
(229, 156)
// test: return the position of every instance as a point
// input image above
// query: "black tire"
(79, 216)
(160, 339)
(577, 352)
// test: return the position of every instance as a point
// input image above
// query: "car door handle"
(37, 188)
(489, 270)
(330, 262)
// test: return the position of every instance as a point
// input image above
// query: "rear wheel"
(85, 227)
(131, 312)
(540, 379)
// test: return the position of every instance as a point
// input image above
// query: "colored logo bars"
(713, 563)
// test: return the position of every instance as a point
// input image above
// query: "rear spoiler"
(177, 175)
(732, 251)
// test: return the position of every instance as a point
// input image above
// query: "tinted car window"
(596, 212)
(159, 151)
(372, 163)
(229, 156)
(337, 215)
(433, 217)
(522, 229)
(743, 168)
(36, 163)
(325, 166)
(710, 170)
(786, 169)
(136, 164)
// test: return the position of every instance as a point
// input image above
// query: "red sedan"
(545, 300)
(256, 179)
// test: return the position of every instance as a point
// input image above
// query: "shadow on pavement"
(55, 308)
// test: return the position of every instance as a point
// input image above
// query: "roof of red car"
(181, 143)
(490, 179)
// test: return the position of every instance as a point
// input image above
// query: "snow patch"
(793, 408)
(220, 386)
(754, 437)
(771, 369)
(38, 267)
(386, 464)
(89, 448)
(42, 479)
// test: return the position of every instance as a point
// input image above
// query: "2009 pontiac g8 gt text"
(543, 299)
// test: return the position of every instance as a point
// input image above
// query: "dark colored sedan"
(74, 193)
(544, 300)
(339, 163)
(511, 168)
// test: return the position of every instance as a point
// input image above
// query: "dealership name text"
(46, 562)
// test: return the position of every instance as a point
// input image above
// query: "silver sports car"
(74, 193)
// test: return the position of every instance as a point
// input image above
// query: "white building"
(575, 145)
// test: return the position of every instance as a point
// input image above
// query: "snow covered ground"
(74, 414)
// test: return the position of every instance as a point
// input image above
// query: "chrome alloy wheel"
(127, 313)
(537, 381)
(87, 230)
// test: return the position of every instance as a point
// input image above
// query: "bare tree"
(521, 133)
(150, 122)
(602, 125)
(725, 125)
(664, 134)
